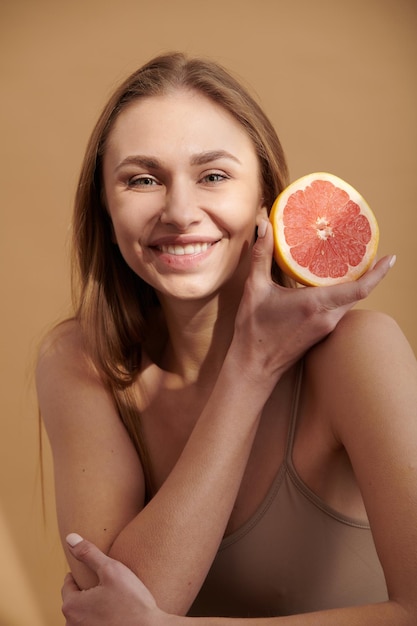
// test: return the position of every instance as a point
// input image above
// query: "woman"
(245, 448)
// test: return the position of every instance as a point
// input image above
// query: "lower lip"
(183, 261)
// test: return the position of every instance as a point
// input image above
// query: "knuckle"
(329, 323)
(69, 613)
(83, 550)
(321, 316)
(310, 309)
(109, 570)
(362, 291)
(257, 253)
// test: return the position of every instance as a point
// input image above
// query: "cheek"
(244, 213)
(132, 254)
(122, 231)
(125, 236)
(126, 222)
(132, 215)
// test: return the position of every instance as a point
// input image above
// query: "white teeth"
(189, 248)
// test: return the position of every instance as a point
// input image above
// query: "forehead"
(179, 118)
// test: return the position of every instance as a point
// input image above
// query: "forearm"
(171, 544)
(138, 607)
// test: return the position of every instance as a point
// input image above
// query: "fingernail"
(262, 228)
(393, 260)
(73, 539)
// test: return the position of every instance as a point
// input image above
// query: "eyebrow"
(138, 159)
(212, 155)
(201, 158)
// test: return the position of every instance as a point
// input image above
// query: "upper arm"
(99, 479)
(368, 377)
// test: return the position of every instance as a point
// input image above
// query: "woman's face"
(182, 187)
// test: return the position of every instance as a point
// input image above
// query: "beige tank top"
(294, 555)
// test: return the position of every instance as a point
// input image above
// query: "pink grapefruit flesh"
(324, 231)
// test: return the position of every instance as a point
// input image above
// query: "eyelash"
(139, 181)
(219, 177)
(212, 178)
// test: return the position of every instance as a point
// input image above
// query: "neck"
(199, 335)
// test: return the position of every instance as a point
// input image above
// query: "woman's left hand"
(119, 598)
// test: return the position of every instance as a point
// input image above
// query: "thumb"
(262, 250)
(87, 553)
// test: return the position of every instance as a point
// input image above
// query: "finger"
(262, 250)
(348, 294)
(87, 553)
(371, 279)
(384, 264)
(69, 585)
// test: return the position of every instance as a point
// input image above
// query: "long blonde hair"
(112, 304)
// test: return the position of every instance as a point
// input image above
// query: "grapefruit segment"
(324, 231)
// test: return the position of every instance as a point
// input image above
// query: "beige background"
(337, 77)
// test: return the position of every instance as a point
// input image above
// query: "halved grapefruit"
(324, 231)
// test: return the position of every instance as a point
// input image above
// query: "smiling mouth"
(188, 249)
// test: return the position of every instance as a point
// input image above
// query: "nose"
(180, 206)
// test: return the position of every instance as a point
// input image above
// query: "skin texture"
(217, 392)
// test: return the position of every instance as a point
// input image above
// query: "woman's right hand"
(276, 325)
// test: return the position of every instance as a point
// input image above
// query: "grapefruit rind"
(282, 250)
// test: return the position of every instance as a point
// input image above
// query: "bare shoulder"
(63, 348)
(363, 367)
(63, 365)
(66, 381)
(359, 340)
